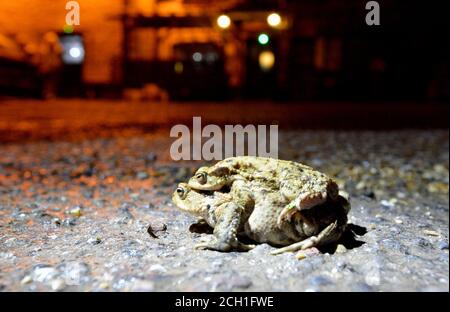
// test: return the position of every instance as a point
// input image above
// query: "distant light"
(197, 57)
(274, 19)
(266, 60)
(263, 39)
(223, 21)
(75, 52)
(178, 68)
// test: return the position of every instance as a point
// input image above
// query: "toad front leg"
(229, 218)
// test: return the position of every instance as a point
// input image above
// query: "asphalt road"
(74, 215)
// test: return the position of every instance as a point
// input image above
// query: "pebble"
(386, 204)
(57, 284)
(300, 255)
(155, 228)
(341, 248)
(76, 212)
(431, 233)
(26, 280)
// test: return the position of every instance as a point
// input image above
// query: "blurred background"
(239, 52)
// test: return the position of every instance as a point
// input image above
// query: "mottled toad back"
(301, 186)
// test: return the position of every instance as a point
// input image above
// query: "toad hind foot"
(328, 235)
(304, 201)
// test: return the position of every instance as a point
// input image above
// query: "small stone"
(443, 246)
(26, 280)
(340, 248)
(300, 255)
(156, 227)
(398, 221)
(386, 204)
(104, 285)
(372, 226)
(76, 212)
(57, 284)
(431, 233)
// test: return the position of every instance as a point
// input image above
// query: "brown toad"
(239, 214)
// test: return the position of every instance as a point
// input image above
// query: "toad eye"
(201, 177)
(181, 192)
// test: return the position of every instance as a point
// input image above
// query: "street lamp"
(274, 19)
(224, 21)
